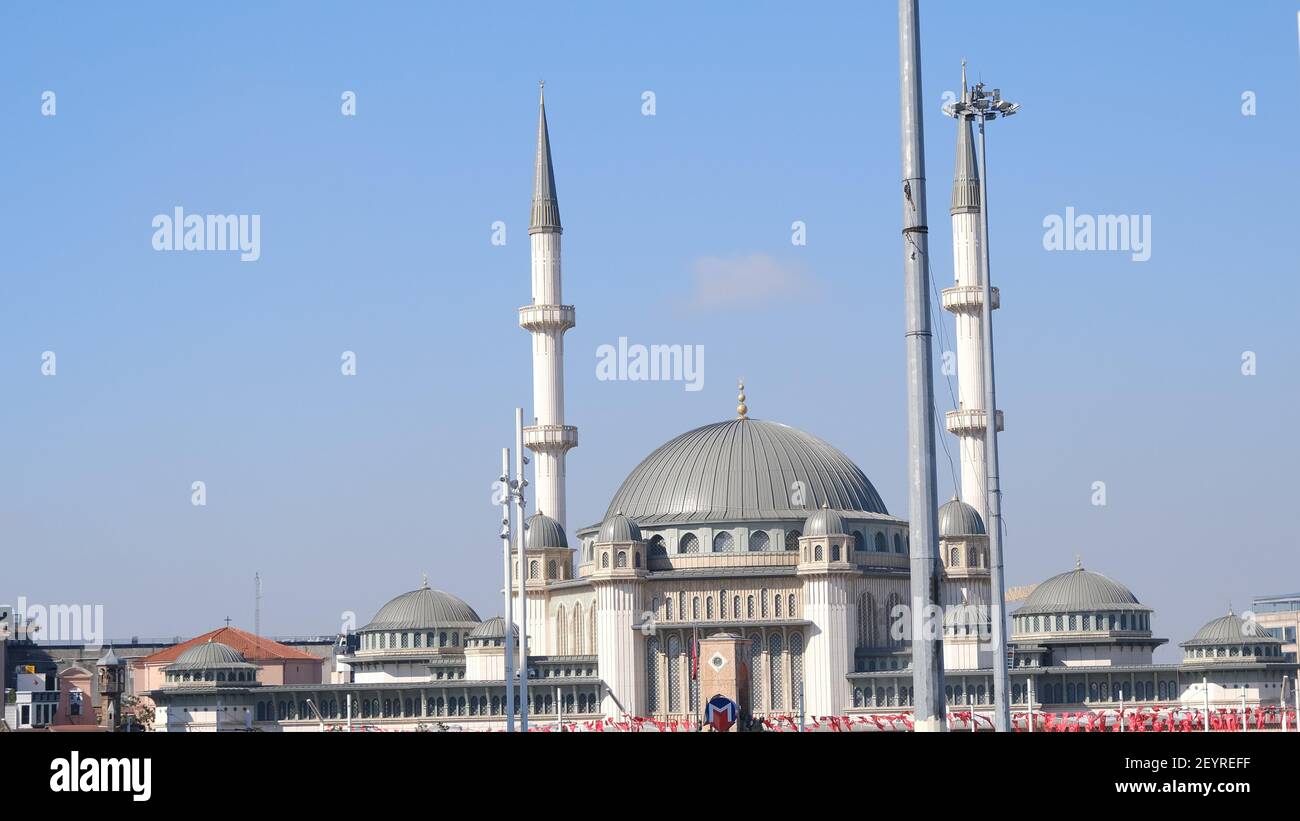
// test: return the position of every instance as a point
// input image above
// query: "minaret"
(965, 301)
(547, 319)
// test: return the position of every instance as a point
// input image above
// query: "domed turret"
(619, 528)
(957, 519)
(825, 522)
(543, 531)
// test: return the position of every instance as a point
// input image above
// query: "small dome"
(209, 655)
(1077, 590)
(423, 609)
(1230, 629)
(619, 528)
(956, 518)
(825, 522)
(492, 629)
(543, 531)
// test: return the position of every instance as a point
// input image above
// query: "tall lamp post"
(980, 105)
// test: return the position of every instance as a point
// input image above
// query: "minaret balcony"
(967, 421)
(547, 317)
(967, 298)
(553, 438)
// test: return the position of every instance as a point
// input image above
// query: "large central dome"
(742, 469)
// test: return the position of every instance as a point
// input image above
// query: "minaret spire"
(547, 318)
(546, 208)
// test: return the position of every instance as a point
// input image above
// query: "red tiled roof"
(254, 648)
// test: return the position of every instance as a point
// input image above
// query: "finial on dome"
(1078, 561)
(424, 581)
(742, 410)
(963, 77)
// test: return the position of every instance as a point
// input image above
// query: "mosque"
(746, 552)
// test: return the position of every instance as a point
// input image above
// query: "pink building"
(276, 663)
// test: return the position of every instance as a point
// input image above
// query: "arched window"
(560, 646)
(817, 553)
(790, 606)
(762, 602)
(777, 604)
(689, 544)
(674, 674)
(880, 543)
(898, 544)
(695, 608)
(755, 671)
(866, 621)
(532, 569)
(668, 608)
(636, 559)
(792, 539)
(681, 605)
(835, 553)
(859, 541)
(954, 557)
(657, 548)
(578, 645)
(775, 666)
(621, 561)
(724, 542)
(892, 614)
(604, 559)
(722, 604)
(591, 624)
(708, 608)
(653, 674)
(796, 668)
(550, 569)
(759, 540)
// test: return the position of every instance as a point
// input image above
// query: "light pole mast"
(521, 524)
(981, 106)
(508, 613)
(926, 571)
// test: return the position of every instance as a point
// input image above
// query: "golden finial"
(741, 409)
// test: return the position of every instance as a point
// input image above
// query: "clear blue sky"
(375, 238)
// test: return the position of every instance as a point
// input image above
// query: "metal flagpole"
(520, 526)
(1031, 704)
(508, 613)
(927, 648)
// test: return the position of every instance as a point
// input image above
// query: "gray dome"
(493, 628)
(543, 531)
(742, 469)
(618, 528)
(208, 656)
(956, 518)
(1229, 629)
(423, 609)
(825, 522)
(1078, 590)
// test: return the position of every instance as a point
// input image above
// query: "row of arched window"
(575, 633)
(976, 557)
(1081, 622)
(876, 626)
(434, 707)
(1233, 651)
(883, 696)
(725, 541)
(725, 606)
(178, 677)
(1077, 692)
(411, 639)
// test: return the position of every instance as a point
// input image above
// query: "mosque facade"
(746, 552)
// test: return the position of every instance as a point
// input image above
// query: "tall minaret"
(964, 300)
(547, 319)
